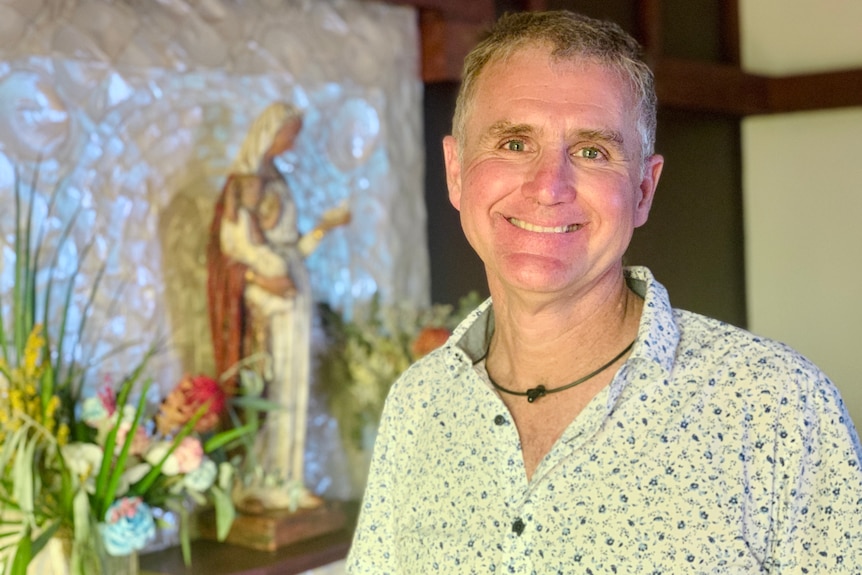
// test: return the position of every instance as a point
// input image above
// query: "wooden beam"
(445, 43)
(476, 11)
(730, 51)
(727, 90)
(815, 91)
(708, 87)
(449, 29)
(649, 32)
(535, 5)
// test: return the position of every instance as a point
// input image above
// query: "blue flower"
(128, 526)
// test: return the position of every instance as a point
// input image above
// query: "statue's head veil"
(260, 136)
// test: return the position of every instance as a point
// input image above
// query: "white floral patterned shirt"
(712, 451)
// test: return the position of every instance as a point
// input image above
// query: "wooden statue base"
(269, 530)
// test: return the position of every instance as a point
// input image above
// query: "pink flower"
(125, 508)
(98, 411)
(109, 399)
(140, 441)
(185, 458)
(189, 454)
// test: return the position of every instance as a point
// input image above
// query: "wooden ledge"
(214, 558)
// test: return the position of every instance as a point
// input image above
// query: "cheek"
(489, 180)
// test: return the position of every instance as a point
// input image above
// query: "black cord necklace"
(535, 393)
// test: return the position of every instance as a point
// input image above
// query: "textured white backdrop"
(133, 111)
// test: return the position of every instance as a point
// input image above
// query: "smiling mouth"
(543, 229)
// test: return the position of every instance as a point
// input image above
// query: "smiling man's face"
(550, 182)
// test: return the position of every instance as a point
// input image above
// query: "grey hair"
(260, 136)
(570, 36)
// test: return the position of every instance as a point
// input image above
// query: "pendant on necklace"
(535, 393)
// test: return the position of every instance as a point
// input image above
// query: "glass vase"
(56, 559)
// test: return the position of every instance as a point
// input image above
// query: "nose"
(552, 178)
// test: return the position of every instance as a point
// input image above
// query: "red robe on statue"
(225, 288)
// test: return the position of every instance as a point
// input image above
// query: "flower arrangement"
(91, 470)
(367, 353)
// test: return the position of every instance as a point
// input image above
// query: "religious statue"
(260, 301)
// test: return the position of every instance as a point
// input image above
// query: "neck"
(552, 345)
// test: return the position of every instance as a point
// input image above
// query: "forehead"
(531, 81)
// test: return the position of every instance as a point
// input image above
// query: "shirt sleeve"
(819, 527)
(371, 550)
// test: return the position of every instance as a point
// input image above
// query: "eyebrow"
(610, 136)
(504, 129)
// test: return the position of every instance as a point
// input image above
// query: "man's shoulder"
(740, 350)
(711, 339)
(427, 377)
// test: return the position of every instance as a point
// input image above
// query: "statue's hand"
(281, 286)
(334, 217)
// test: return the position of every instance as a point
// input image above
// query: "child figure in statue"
(260, 300)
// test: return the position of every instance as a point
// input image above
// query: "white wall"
(802, 189)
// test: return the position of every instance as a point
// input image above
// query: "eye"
(514, 145)
(589, 153)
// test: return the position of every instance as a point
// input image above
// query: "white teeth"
(542, 229)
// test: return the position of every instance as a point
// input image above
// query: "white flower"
(201, 478)
(131, 476)
(94, 411)
(226, 473)
(83, 461)
(157, 452)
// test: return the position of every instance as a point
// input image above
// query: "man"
(575, 422)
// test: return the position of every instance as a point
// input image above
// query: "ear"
(453, 170)
(648, 184)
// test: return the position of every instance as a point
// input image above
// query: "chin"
(545, 278)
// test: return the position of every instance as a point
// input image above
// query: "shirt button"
(499, 420)
(518, 526)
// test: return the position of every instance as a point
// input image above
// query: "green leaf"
(185, 537)
(120, 464)
(221, 439)
(142, 486)
(18, 314)
(23, 555)
(258, 404)
(84, 314)
(43, 538)
(68, 296)
(46, 383)
(224, 510)
(10, 447)
(23, 475)
(81, 516)
(104, 477)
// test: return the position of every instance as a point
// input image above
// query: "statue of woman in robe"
(260, 300)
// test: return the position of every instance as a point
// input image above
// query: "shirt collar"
(658, 334)
(473, 335)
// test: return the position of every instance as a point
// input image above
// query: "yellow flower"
(16, 399)
(33, 353)
(51, 411)
(63, 434)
